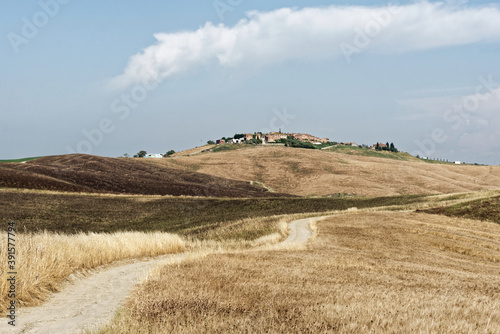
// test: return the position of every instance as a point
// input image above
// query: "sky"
(115, 77)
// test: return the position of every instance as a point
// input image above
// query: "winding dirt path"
(91, 302)
(88, 303)
(298, 231)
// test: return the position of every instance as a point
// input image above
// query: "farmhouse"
(249, 136)
(379, 145)
(154, 155)
(236, 141)
(309, 138)
(274, 137)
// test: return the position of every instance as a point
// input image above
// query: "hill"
(193, 151)
(306, 172)
(92, 174)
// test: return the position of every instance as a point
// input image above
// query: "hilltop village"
(293, 139)
(273, 137)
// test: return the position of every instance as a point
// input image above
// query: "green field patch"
(21, 160)
(352, 150)
(228, 147)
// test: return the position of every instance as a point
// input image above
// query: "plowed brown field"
(86, 173)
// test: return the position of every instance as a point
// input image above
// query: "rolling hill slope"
(320, 172)
(85, 173)
(193, 151)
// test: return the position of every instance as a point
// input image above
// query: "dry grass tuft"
(45, 260)
(365, 272)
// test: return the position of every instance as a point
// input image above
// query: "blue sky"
(120, 76)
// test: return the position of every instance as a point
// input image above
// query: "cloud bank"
(477, 122)
(468, 123)
(265, 38)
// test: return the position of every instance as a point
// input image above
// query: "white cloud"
(313, 33)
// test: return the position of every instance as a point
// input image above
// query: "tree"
(377, 148)
(253, 141)
(239, 135)
(141, 154)
(210, 142)
(169, 153)
(126, 155)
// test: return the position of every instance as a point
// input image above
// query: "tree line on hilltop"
(386, 147)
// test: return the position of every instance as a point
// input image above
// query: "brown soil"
(92, 174)
(306, 172)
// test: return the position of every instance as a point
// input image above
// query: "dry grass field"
(46, 260)
(306, 172)
(382, 272)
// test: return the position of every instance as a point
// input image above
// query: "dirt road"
(298, 231)
(92, 301)
(88, 303)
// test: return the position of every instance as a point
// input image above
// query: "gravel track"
(90, 302)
